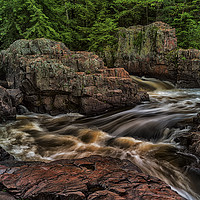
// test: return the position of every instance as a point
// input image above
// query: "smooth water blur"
(151, 84)
(152, 120)
(144, 134)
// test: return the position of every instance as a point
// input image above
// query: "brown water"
(144, 134)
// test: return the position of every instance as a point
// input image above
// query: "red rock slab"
(90, 178)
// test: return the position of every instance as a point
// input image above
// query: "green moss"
(122, 34)
(172, 57)
(183, 58)
(88, 72)
(138, 40)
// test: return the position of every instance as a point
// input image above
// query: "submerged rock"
(152, 51)
(95, 177)
(56, 80)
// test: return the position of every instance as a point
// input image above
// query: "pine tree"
(9, 12)
(92, 24)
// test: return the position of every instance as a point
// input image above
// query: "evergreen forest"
(92, 25)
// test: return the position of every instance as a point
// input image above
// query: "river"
(144, 134)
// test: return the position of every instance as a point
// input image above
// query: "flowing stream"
(144, 134)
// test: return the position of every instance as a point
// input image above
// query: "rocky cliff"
(152, 51)
(55, 80)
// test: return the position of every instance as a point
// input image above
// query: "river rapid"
(144, 135)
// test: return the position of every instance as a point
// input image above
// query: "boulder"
(55, 80)
(91, 178)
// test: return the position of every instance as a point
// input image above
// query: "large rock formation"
(142, 49)
(152, 51)
(56, 80)
(88, 178)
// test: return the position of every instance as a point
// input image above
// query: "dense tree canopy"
(92, 24)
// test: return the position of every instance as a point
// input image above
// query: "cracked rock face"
(56, 80)
(87, 178)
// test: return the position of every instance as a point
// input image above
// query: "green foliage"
(102, 35)
(93, 24)
(184, 16)
(8, 30)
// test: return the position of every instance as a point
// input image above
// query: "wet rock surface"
(152, 51)
(191, 140)
(55, 80)
(190, 144)
(95, 177)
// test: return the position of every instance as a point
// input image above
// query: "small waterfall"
(152, 83)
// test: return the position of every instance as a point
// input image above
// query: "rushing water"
(144, 134)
